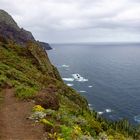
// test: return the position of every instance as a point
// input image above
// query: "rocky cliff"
(10, 30)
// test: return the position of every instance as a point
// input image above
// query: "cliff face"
(8, 20)
(10, 30)
(46, 46)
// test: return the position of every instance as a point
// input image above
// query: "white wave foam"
(89, 105)
(82, 91)
(70, 85)
(90, 86)
(108, 110)
(65, 66)
(137, 118)
(79, 78)
(100, 113)
(68, 79)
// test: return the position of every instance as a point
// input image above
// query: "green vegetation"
(64, 113)
(25, 92)
(68, 124)
(3, 79)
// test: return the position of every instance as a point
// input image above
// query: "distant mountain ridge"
(10, 30)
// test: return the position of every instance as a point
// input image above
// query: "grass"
(3, 79)
(25, 92)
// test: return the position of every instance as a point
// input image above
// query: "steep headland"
(10, 30)
(36, 103)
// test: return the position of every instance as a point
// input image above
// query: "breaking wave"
(79, 78)
(68, 79)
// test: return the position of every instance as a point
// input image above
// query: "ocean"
(106, 74)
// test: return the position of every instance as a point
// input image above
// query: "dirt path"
(13, 122)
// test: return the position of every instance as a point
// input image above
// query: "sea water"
(106, 74)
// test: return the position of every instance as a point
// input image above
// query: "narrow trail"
(13, 122)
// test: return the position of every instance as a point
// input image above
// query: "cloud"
(76, 21)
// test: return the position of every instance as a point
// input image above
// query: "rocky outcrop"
(19, 36)
(46, 46)
(10, 30)
(8, 20)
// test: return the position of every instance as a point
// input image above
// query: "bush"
(3, 80)
(15, 83)
(66, 132)
(25, 92)
(50, 112)
(47, 100)
(47, 124)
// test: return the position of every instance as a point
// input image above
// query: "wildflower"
(38, 108)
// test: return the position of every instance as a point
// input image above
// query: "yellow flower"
(60, 138)
(52, 136)
(77, 129)
(38, 108)
(45, 121)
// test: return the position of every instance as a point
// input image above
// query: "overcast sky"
(77, 20)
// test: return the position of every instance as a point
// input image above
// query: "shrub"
(3, 80)
(47, 124)
(15, 83)
(50, 112)
(77, 130)
(66, 132)
(25, 92)
(37, 116)
(47, 100)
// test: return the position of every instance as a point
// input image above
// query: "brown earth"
(13, 122)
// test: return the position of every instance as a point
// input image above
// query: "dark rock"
(10, 30)
(8, 20)
(19, 36)
(46, 46)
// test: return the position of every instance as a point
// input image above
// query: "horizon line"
(122, 42)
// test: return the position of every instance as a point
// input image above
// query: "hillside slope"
(65, 115)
